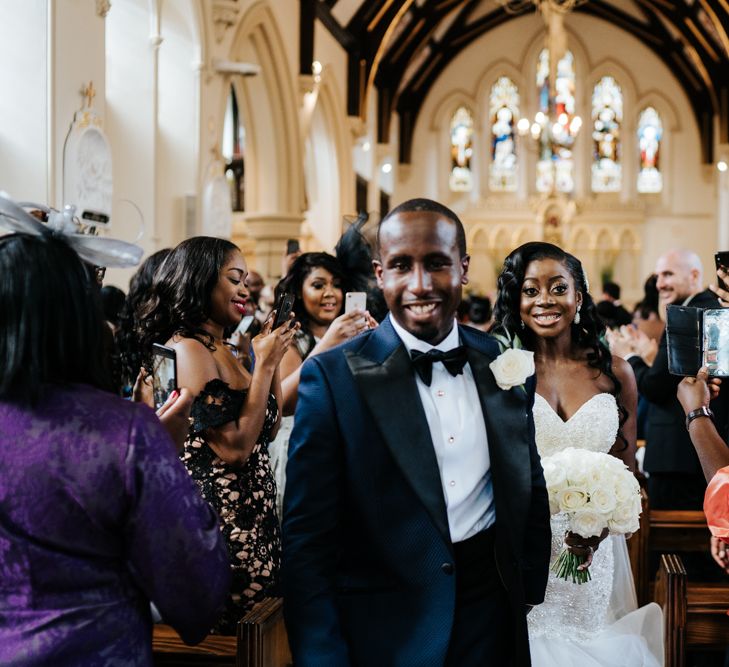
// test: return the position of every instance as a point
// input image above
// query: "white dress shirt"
(458, 431)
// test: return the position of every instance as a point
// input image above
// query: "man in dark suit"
(416, 520)
(610, 309)
(675, 478)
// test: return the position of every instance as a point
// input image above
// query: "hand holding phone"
(283, 310)
(164, 373)
(355, 301)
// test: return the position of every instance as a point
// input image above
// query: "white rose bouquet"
(595, 491)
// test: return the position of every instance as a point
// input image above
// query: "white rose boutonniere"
(512, 367)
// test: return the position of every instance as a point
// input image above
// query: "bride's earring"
(521, 324)
(577, 315)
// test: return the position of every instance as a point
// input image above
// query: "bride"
(586, 399)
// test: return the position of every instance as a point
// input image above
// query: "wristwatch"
(703, 411)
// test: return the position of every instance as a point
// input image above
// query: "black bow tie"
(454, 360)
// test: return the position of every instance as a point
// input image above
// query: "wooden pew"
(694, 614)
(260, 642)
(663, 531)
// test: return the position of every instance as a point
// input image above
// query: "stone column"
(269, 232)
(722, 199)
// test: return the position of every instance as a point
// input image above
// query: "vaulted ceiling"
(403, 46)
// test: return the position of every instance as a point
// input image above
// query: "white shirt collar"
(413, 343)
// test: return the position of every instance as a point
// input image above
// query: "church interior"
(263, 120)
(601, 126)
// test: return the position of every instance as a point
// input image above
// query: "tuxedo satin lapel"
(505, 414)
(389, 390)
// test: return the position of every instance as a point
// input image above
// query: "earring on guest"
(577, 315)
(521, 324)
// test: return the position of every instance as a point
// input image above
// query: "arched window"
(555, 166)
(503, 110)
(607, 117)
(461, 178)
(650, 133)
(233, 146)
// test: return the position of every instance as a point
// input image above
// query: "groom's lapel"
(506, 416)
(383, 372)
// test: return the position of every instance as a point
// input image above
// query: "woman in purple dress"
(98, 516)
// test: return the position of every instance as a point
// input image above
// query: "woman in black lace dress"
(197, 293)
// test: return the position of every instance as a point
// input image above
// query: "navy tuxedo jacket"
(368, 565)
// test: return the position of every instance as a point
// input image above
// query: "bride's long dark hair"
(588, 334)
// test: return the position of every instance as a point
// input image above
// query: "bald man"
(676, 480)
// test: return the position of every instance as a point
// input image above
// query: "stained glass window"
(559, 125)
(461, 178)
(650, 133)
(607, 117)
(503, 110)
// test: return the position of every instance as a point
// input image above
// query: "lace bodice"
(571, 610)
(593, 427)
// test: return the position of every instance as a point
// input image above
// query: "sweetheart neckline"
(576, 412)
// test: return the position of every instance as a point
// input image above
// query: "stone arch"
(270, 112)
(328, 151)
(627, 261)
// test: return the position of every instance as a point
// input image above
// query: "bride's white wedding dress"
(596, 623)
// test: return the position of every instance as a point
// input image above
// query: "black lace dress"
(244, 497)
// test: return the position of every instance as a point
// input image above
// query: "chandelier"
(556, 125)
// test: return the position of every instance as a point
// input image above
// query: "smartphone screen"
(355, 301)
(283, 309)
(164, 373)
(721, 259)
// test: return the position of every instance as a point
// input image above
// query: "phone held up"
(164, 373)
(355, 301)
(283, 309)
(292, 246)
(721, 259)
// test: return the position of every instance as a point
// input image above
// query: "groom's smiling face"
(421, 272)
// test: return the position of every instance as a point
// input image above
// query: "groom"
(416, 521)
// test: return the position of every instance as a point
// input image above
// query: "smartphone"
(355, 301)
(721, 259)
(283, 309)
(164, 373)
(244, 324)
(292, 246)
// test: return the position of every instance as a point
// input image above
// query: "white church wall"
(178, 118)
(24, 102)
(131, 111)
(45, 49)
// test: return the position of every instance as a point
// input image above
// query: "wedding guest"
(585, 399)
(646, 314)
(196, 294)
(318, 284)
(695, 396)
(479, 312)
(98, 517)
(674, 472)
(112, 302)
(610, 309)
(127, 337)
(416, 516)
